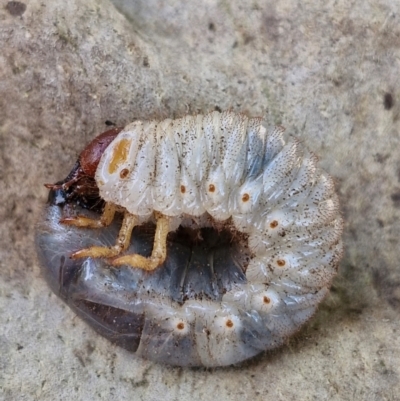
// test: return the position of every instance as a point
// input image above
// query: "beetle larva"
(247, 238)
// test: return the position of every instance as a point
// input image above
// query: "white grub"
(226, 169)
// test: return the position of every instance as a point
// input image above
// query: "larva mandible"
(254, 238)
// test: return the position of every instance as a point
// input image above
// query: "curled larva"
(230, 238)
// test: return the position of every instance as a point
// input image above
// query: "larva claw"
(96, 252)
(81, 221)
(139, 262)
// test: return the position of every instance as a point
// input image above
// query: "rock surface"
(328, 73)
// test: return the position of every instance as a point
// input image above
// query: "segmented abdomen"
(227, 165)
(192, 165)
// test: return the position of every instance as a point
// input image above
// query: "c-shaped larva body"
(221, 172)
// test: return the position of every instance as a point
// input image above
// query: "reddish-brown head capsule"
(91, 155)
(80, 184)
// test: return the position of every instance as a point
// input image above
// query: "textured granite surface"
(328, 73)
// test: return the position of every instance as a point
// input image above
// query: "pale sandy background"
(330, 73)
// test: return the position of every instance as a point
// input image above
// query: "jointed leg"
(83, 221)
(158, 254)
(123, 241)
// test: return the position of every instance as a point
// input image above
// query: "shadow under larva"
(230, 238)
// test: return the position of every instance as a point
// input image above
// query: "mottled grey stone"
(329, 73)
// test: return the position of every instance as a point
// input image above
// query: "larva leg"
(123, 241)
(158, 254)
(83, 221)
